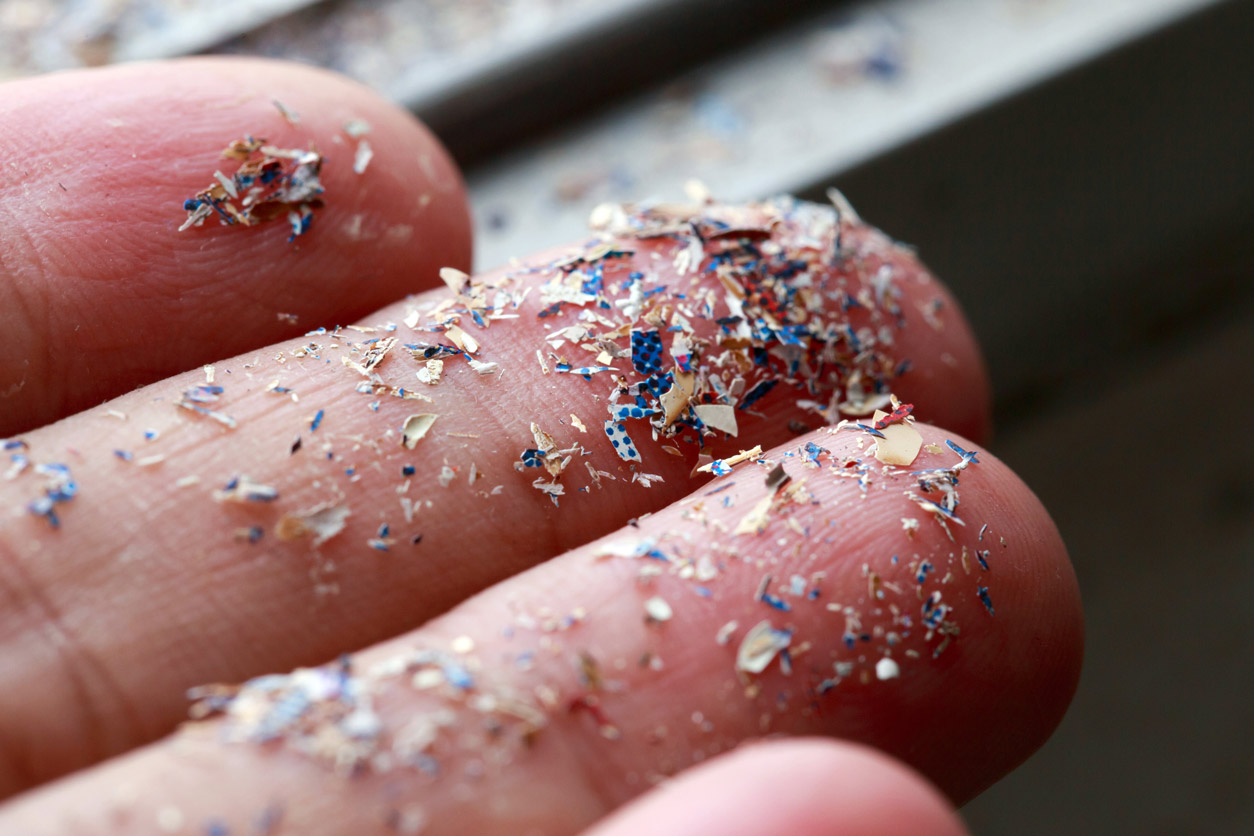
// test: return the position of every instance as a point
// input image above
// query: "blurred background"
(1081, 172)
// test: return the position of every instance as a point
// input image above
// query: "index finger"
(101, 292)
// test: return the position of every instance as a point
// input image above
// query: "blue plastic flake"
(623, 445)
(248, 491)
(934, 612)
(203, 394)
(586, 372)
(646, 351)
(532, 457)
(300, 221)
(255, 533)
(408, 470)
(867, 428)
(217, 828)
(124, 455)
(813, 452)
(458, 676)
(776, 602)
(150, 435)
(982, 591)
(317, 421)
(969, 456)
(757, 392)
(622, 412)
(982, 557)
(924, 568)
(60, 488)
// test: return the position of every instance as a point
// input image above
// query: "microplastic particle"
(760, 646)
(415, 427)
(322, 521)
(656, 609)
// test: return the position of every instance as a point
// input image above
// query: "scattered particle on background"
(777, 478)
(657, 609)
(457, 280)
(269, 183)
(357, 128)
(721, 467)
(243, 489)
(195, 398)
(415, 427)
(383, 540)
(982, 591)
(760, 646)
(431, 371)
(290, 116)
(721, 417)
(867, 46)
(363, 156)
(322, 522)
(59, 487)
(899, 446)
(887, 668)
(616, 431)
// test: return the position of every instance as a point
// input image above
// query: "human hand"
(590, 669)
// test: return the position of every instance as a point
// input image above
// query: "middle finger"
(176, 564)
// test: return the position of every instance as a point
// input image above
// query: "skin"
(95, 166)
(145, 590)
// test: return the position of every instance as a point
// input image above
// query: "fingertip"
(807, 787)
(93, 255)
(988, 699)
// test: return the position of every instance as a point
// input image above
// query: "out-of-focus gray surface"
(1146, 467)
(833, 92)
